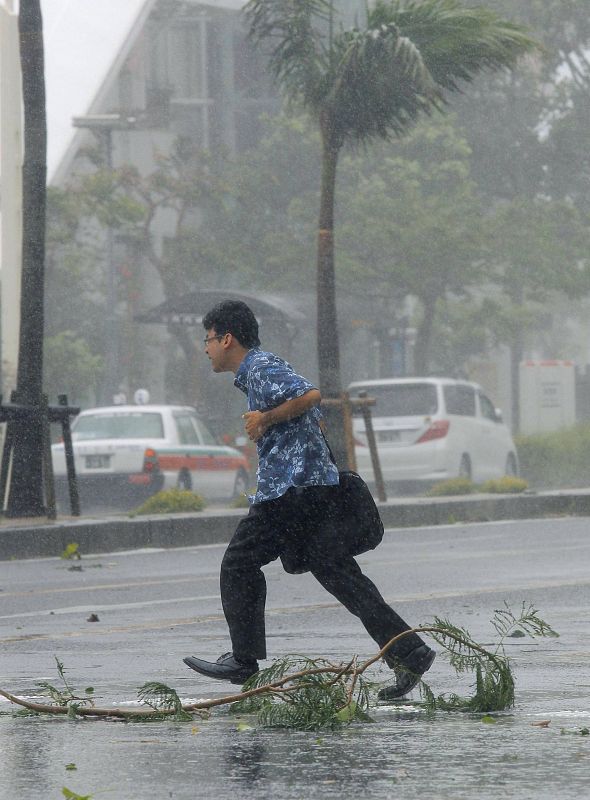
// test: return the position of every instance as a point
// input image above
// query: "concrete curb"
(113, 534)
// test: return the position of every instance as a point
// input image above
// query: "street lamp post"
(103, 126)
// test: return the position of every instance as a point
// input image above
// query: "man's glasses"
(208, 339)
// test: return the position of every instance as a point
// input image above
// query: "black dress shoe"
(226, 668)
(408, 673)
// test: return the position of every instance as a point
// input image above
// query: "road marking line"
(111, 607)
(100, 586)
(291, 610)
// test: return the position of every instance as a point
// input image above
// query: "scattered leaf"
(516, 634)
(489, 720)
(243, 726)
(71, 767)
(72, 551)
(89, 690)
(347, 713)
(575, 732)
(69, 795)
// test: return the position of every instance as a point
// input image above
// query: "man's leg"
(243, 595)
(344, 579)
(255, 543)
(409, 658)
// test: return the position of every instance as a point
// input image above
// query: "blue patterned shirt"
(292, 453)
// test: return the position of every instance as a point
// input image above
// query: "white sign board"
(547, 396)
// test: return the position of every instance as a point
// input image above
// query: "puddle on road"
(404, 753)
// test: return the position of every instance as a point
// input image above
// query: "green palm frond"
(291, 32)
(455, 42)
(379, 83)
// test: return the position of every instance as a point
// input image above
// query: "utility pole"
(26, 485)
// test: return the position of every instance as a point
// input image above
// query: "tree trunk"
(26, 487)
(423, 338)
(516, 356)
(328, 347)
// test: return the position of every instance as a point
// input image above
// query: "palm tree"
(362, 84)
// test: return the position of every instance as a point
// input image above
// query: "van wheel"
(511, 466)
(184, 481)
(465, 467)
(242, 483)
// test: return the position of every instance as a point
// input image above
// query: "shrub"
(240, 501)
(451, 487)
(506, 485)
(171, 501)
(556, 460)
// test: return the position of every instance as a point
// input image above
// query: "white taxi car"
(431, 429)
(128, 452)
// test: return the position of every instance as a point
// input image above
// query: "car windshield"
(119, 425)
(402, 400)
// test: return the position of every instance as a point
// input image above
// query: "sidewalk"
(39, 537)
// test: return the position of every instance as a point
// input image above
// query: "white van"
(432, 429)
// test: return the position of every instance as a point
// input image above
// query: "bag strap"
(328, 446)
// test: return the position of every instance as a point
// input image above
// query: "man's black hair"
(235, 317)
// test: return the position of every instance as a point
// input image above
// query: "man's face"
(216, 349)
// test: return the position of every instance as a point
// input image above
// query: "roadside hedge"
(558, 460)
(171, 501)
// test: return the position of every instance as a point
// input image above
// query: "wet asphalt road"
(155, 607)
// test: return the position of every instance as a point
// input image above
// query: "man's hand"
(258, 422)
(255, 424)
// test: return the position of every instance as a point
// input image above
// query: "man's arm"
(258, 422)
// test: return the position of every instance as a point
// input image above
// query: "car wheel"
(184, 481)
(242, 483)
(465, 467)
(511, 466)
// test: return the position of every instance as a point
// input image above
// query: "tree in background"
(362, 84)
(412, 226)
(72, 253)
(536, 249)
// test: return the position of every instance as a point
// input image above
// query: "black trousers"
(298, 527)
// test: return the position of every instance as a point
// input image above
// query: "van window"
(460, 400)
(401, 400)
(487, 408)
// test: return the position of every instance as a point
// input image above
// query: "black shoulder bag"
(357, 512)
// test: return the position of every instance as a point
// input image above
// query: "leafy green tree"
(181, 193)
(537, 249)
(411, 224)
(264, 237)
(72, 367)
(369, 83)
(568, 155)
(510, 126)
(72, 254)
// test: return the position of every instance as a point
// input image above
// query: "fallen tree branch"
(344, 681)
